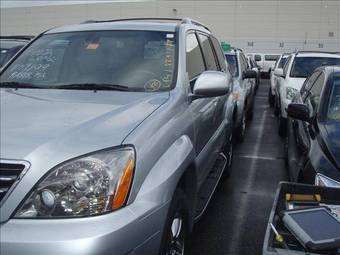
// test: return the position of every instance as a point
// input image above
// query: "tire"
(282, 130)
(250, 114)
(276, 107)
(228, 150)
(270, 97)
(176, 229)
(241, 129)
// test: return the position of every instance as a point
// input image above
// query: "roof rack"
(22, 37)
(182, 21)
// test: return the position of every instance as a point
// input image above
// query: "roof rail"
(22, 37)
(183, 21)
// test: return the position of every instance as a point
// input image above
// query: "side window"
(243, 63)
(208, 53)
(219, 53)
(285, 68)
(194, 58)
(308, 84)
(315, 92)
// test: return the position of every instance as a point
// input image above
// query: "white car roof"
(317, 54)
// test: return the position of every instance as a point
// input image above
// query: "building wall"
(275, 26)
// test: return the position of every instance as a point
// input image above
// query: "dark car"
(10, 45)
(314, 129)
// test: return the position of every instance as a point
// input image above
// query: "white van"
(265, 60)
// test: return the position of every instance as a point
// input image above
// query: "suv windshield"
(304, 66)
(334, 105)
(133, 60)
(232, 63)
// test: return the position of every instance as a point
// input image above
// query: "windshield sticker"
(169, 36)
(152, 85)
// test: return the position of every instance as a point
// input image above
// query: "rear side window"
(271, 57)
(208, 53)
(219, 53)
(195, 63)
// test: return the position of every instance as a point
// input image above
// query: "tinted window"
(334, 102)
(219, 53)
(271, 57)
(308, 84)
(282, 62)
(304, 66)
(139, 60)
(195, 63)
(314, 93)
(208, 53)
(286, 65)
(232, 64)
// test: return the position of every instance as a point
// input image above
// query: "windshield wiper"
(13, 84)
(92, 86)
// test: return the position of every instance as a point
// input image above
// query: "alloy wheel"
(176, 240)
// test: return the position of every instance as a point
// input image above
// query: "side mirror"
(211, 84)
(298, 111)
(249, 74)
(278, 72)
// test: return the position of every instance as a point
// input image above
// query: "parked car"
(243, 90)
(265, 60)
(314, 129)
(10, 45)
(114, 136)
(253, 66)
(273, 78)
(298, 66)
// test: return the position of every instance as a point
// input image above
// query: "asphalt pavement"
(236, 218)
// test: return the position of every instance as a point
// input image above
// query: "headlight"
(89, 185)
(290, 93)
(322, 180)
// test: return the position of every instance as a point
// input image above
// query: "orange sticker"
(92, 46)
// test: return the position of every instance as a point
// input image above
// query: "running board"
(208, 187)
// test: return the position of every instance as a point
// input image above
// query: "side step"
(208, 187)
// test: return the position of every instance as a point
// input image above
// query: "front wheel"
(176, 227)
(241, 129)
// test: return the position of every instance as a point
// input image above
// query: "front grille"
(9, 174)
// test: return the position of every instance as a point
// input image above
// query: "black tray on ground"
(271, 246)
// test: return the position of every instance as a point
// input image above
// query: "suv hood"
(295, 83)
(70, 122)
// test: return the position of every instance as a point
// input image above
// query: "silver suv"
(114, 136)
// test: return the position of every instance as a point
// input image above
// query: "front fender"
(161, 181)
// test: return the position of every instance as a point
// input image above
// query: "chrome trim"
(26, 165)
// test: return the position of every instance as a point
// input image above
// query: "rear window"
(334, 103)
(232, 63)
(271, 57)
(303, 66)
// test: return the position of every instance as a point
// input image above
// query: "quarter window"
(208, 53)
(219, 53)
(194, 58)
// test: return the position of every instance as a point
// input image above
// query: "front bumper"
(126, 231)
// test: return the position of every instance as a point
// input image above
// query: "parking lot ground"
(236, 218)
